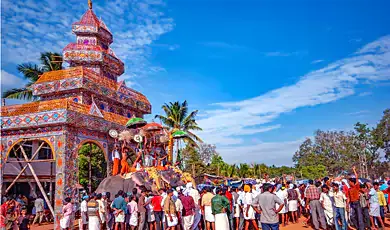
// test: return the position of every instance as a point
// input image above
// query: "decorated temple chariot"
(86, 103)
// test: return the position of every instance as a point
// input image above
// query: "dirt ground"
(291, 226)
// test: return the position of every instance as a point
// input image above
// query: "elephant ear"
(128, 185)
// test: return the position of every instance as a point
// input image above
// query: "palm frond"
(189, 140)
(194, 136)
(21, 94)
(190, 118)
(30, 71)
(51, 61)
(166, 121)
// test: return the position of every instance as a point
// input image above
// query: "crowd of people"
(20, 212)
(326, 203)
(322, 204)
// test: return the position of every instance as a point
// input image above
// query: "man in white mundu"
(206, 206)
(220, 206)
(196, 196)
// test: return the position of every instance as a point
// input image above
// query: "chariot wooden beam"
(25, 167)
(38, 182)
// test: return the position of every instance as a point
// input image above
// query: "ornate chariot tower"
(77, 105)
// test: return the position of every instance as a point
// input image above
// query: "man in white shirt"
(339, 200)
(84, 212)
(196, 196)
(39, 209)
(102, 210)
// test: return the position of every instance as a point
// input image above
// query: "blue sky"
(263, 74)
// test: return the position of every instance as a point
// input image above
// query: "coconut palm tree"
(177, 118)
(243, 171)
(48, 62)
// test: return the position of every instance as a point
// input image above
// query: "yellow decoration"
(170, 148)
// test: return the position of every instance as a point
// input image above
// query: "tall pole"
(51, 181)
(90, 169)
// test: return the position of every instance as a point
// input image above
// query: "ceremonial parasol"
(153, 126)
(179, 134)
(135, 122)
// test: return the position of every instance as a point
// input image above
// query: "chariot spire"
(90, 4)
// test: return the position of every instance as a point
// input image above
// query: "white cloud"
(223, 125)
(317, 61)
(277, 153)
(358, 113)
(9, 81)
(30, 27)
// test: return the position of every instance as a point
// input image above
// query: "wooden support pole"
(32, 161)
(24, 168)
(38, 183)
(90, 169)
(16, 179)
(51, 181)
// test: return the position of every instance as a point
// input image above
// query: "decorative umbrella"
(153, 126)
(135, 122)
(179, 134)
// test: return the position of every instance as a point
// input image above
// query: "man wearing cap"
(84, 212)
(170, 211)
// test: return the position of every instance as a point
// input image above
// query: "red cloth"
(156, 203)
(188, 205)
(387, 191)
(229, 196)
(345, 189)
(353, 193)
(3, 213)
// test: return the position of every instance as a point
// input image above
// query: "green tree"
(98, 165)
(306, 154)
(192, 161)
(332, 149)
(368, 147)
(244, 170)
(313, 171)
(177, 117)
(48, 62)
(217, 165)
(381, 133)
